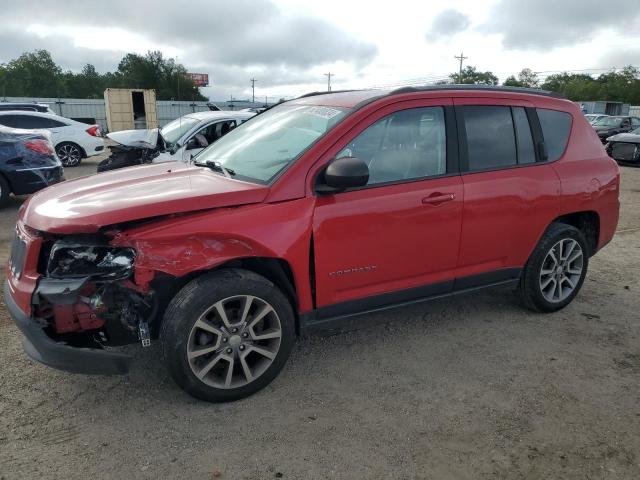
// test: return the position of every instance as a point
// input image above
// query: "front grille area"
(18, 253)
(624, 151)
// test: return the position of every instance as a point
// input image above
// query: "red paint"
(387, 238)
(86, 204)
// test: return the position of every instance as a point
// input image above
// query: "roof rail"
(313, 94)
(491, 88)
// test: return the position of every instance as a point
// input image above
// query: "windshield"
(636, 131)
(174, 130)
(608, 122)
(260, 149)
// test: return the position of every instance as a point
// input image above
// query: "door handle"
(438, 198)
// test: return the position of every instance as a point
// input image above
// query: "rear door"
(510, 192)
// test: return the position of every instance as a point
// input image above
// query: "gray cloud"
(446, 24)
(544, 24)
(240, 32)
(64, 53)
(620, 57)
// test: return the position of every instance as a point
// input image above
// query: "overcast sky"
(288, 45)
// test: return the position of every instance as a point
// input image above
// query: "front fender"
(187, 254)
(204, 240)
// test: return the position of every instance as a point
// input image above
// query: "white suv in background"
(73, 140)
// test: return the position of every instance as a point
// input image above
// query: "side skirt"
(335, 316)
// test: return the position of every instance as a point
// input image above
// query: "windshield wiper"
(218, 167)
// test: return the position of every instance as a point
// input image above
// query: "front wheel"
(556, 270)
(227, 334)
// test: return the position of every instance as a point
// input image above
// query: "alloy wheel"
(69, 155)
(234, 342)
(561, 270)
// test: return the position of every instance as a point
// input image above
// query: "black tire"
(193, 302)
(70, 154)
(530, 288)
(5, 190)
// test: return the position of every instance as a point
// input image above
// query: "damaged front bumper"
(42, 348)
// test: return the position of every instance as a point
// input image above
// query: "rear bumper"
(30, 180)
(41, 348)
(93, 146)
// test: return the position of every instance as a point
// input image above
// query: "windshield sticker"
(323, 112)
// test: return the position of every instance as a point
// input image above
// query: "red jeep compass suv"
(318, 209)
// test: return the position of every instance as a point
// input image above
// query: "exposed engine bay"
(87, 297)
(135, 147)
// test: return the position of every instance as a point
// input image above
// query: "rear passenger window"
(526, 152)
(491, 141)
(556, 126)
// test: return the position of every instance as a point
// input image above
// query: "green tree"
(472, 76)
(526, 78)
(35, 74)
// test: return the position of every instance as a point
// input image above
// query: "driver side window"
(216, 130)
(405, 145)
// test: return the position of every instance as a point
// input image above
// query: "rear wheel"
(69, 154)
(556, 270)
(227, 334)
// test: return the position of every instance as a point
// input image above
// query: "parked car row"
(72, 140)
(317, 210)
(620, 134)
(612, 125)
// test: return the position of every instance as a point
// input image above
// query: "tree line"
(36, 74)
(622, 86)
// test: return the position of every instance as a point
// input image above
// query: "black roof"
(491, 88)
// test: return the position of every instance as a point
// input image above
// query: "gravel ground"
(470, 388)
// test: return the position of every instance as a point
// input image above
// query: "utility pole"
(253, 90)
(329, 75)
(461, 58)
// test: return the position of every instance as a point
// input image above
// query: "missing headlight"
(87, 260)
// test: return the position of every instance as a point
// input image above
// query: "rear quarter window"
(556, 127)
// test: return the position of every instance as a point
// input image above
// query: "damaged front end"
(135, 147)
(85, 302)
(87, 288)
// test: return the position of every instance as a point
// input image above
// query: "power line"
(329, 75)
(461, 58)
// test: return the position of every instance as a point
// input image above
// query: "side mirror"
(193, 143)
(343, 173)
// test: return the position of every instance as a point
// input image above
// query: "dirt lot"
(465, 389)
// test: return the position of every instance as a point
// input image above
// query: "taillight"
(39, 146)
(94, 131)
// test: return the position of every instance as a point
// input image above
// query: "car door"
(396, 239)
(510, 192)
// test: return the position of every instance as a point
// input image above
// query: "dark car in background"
(625, 147)
(607, 126)
(28, 162)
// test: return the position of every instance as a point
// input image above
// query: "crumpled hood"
(86, 204)
(136, 138)
(625, 137)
